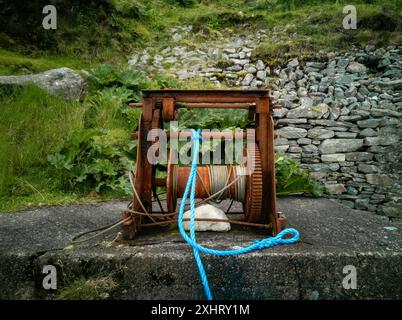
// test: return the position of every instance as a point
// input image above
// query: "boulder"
(62, 82)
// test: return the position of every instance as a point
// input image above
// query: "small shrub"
(293, 179)
(95, 160)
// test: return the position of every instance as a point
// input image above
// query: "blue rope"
(258, 244)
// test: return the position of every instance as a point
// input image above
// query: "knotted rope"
(190, 188)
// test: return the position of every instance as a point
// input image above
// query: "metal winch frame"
(259, 197)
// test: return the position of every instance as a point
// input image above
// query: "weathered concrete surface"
(159, 265)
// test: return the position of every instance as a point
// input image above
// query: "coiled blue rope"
(190, 188)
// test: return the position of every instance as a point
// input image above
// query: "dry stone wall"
(341, 117)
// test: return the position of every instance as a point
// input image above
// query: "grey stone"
(335, 157)
(349, 135)
(247, 79)
(261, 74)
(367, 168)
(295, 149)
(394, 84)
(339, 93)
(323, 167)
(280, 113)
(393, 210)
(342, 63)
(315, 112)
(302, 92)
(302, 141)
(368, 132)
(281, 148)
(355, 67)
(309, 148)
(293, 63)
(281, 141)
(240, 62)
(260, 65)
(335, 188)
(62, 82)
(369, 123)
(345, 79)
(381, 141)
(340, 145)
(291, 132)
(379, 179)
(251, 69)
(362, 204)
(385, 112)
(352, 190)
(320, 134)
(359, 156)
(292, 121)
(229, 50)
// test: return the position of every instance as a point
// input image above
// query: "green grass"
(304, 31)
(32, 125)
(13, 63)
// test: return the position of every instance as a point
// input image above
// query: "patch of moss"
(88, 289)
(223, 63)
(219, 76)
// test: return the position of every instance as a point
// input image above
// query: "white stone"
(207, 211)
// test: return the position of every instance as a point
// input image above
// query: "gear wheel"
(254, 189)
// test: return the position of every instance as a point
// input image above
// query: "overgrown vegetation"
(53, 151)
(304, 30)
(109, 30)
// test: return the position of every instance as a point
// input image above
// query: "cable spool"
(223, 181)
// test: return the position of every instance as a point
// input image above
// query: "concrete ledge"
(159, 265)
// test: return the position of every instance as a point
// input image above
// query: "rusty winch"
(252, 183)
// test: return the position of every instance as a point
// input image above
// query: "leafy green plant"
(107, 75)
(291, 178)
(95, 160)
